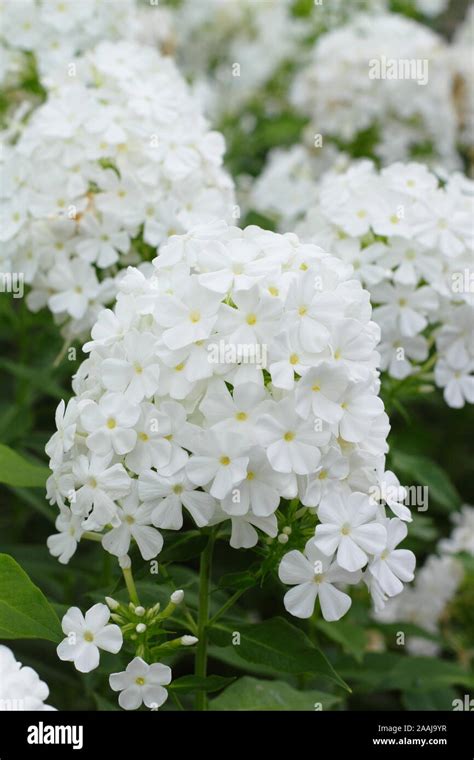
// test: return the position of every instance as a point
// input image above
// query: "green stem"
(200, 668)
(130, 584)
(92, 536)
(229, 603)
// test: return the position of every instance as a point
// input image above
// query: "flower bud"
(283, 538)
(112, 604)
(189, 641)
(140, 628)
(177, 596)
(140, 611)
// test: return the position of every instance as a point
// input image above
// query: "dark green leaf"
(25, 613)
(17, 471)
(252, 694)
(195, 683)
(279, 645)
(352, 638)
(426, 472)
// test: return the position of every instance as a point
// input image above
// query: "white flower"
(63, 440)
(462, 537)
(320, 390)
(135, 522)
(20, 686)
(64, 544)
(348, 526)
(98, 487)
(260, 491)
(218, 460)
(313, 575)
(291, 443)
(141, 683)
(134, 371)
(86, 634)
(109, 424)
(457, 382)
(166, 497)
(393, 567)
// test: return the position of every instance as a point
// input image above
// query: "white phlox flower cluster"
(287, 186)
(240, 373)
(408, 236)
(118, 157)
(232, 49)
(386, 76)
(38, 37)
(248, 40)
(20, 686)
(49, 33)
(436, 584)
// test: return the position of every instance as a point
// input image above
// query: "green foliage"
(254, 694)
(15, 470)
(25, 613)
(421, 469)
(279, 645)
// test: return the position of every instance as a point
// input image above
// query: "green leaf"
(352, 638)
(438, 699)
(17, 471)
(426, 472)
(237, 581)
(280, 645)
(196, 683)
(25, 613)
(183, 546)
(253, 694)
(387, 671)
(426, 674)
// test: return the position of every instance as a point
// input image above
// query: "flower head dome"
(381, 83)
(118, 157)
(240, 373)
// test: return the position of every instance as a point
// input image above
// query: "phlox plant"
(283, 455)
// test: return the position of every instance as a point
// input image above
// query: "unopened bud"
(140, 628)
(112, 604)
(189, 641)
(177, 596)
(140, 611)
(287, 531)
(283, 538)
